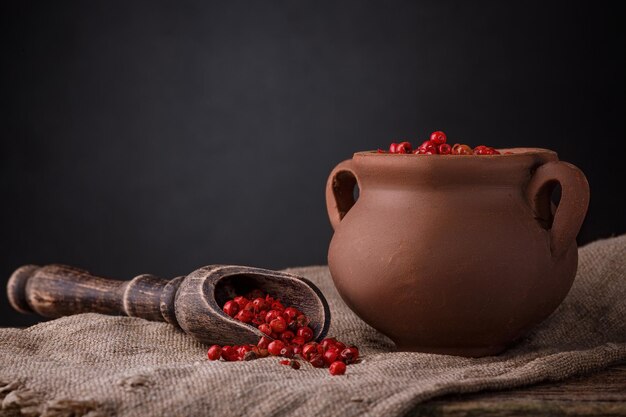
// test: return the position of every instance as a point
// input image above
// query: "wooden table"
(599, 394)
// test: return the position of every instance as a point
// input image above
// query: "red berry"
(275, 347)
(245, 316)
(287, 352)
(242, 301)
(404, 147)
(295, 364)
(271, 315)
(316, 360)
(339, 346)
(297, 349)
(350, 355)
(306, 333)
(243, 349)
(260, 304)
(287, 336)
(278, 325)
(231, 308)
(393, 148)
(438, 137)
(214, 353)
(302, 320)
(337, 368)
(444, 149)
(459, 149)
(330, 356)
(264, 342)
(298, 341)
(308, 350)
(291, 312)
(276, 305)
(427, 148)
(249, 307)
(328, 342)
(265, 328)
(229, 353)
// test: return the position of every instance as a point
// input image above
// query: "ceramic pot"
(455, 254)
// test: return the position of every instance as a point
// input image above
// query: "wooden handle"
(340, 191)
(60, 290)
(570, 212)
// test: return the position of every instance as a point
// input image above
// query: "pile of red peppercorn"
(288, 335)
(437, 145)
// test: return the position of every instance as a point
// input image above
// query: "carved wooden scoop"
(192, 303)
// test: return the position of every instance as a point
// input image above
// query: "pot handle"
(340, 191)
(572, 208)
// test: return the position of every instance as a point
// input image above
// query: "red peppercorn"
(337, 368)
(214, 353)
(298, 341)
(427, 148)
(276, 305)
(302, 320)
(260, 304)
(231, 308)
(339, 346)
(317, 360)
(287, 352)
(444, 149)
(264, 342)
(229, 353)
(249, 307)
(278, 325)
(438, 137)
(330, 356)
(291, 312)
(271, 315)
(350, 355)
(265, 328)
(404, 147)
(275, 347)
(306, 333)
(459, 149)
(245, 316)
(393, 148)
(241, 301)
(297, 349)
(287, 336)
(308, 350)
(328, 342)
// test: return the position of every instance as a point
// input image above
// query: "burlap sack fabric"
(96, 365)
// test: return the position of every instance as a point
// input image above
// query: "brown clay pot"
(454, 254)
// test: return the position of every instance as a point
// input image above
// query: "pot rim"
(516, 153)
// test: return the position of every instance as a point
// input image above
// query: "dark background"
(163, 136)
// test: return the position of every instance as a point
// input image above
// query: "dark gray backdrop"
(163, 136)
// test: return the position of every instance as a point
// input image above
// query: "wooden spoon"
(192, 303)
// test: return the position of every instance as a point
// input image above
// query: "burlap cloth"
(96, 365)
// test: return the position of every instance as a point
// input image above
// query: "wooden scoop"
(192, 303)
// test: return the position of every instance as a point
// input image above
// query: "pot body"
(454, 254)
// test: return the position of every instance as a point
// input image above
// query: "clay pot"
(454, 254)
